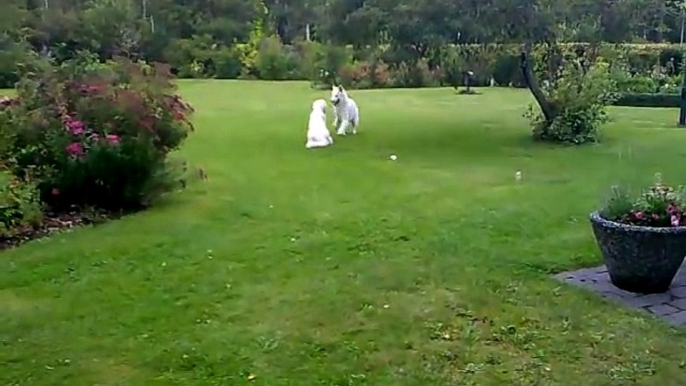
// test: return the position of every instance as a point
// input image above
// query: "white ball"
(393, 157)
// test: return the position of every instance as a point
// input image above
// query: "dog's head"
(319, 105)
(337, 94)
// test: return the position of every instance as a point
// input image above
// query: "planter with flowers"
(643, 239)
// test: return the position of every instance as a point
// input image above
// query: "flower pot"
(640, 259)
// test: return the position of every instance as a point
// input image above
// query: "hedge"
(648, 100)
(384, 65)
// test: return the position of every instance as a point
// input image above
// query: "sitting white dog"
(317, 133)
(346, 112)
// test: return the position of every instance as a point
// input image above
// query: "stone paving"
(670, 306)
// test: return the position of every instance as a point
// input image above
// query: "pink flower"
(639, 215)
(76, 127)
(55, 192)
(147, 123)
(656, 217)
(113, 139)
(6, 101)
(95, 89)
(675, 220)
(75, 149)
(179, 115)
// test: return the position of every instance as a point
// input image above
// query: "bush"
(12, 55)
(356, 75)
(20, 207)
(272, 62)
(415, 74)
(648, 100)
(507, 71)
(94, 135)
(579, 97)
(191, 58)
(7, 136)
(226, 63)
(329, 61)
(306, 54)
(671, 59)
(381, 74)
(637, 84)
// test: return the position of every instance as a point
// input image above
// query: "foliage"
(507, 71)
(272, 62)
(97, 135)
(329, 61)
(7, 134)
(111, 27)
(248, 51)
(579, 95)
(20, 206)
(226, 64)
(633, 83)
(324, 63)
(12, 55)
(188, 57)
(189, 34)
(658, 206)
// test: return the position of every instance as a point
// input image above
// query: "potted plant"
(642, 239)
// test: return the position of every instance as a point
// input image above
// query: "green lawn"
(341, 267)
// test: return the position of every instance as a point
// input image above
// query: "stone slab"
(669, 306)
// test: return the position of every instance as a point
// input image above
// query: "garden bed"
(53, 223)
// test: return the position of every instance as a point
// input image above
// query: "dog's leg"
(343, 130)
(355, 120)
(335, 119)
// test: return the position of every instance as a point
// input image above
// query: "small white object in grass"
(393, 157)
(518, 176)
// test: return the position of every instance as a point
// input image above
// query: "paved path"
(670, 306)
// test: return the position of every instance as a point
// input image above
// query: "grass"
(340, 267)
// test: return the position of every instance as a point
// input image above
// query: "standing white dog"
(346, 112)
(317, 133)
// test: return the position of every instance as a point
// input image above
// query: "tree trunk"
(531, 82)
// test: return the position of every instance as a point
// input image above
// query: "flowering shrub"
(96, 135)
(659, 206)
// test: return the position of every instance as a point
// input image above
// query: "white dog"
(317, 133)
(346, 112)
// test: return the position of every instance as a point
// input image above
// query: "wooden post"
(682, 109)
